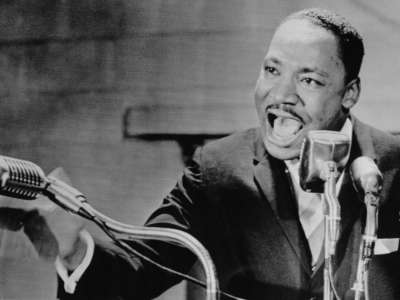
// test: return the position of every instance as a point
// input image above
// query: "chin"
(282, 153)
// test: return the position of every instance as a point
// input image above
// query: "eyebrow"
(315, 70)
(303, 70)
(272, 59)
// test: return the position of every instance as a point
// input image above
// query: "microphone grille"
(20, 178)
(320, 146)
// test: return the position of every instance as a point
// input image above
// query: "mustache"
(286, 108)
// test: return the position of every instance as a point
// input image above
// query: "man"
(240, 196)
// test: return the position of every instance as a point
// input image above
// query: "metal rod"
(367, 246)
(168, 235)
(358, 286)
(333, 213)
(332, 222)
(327, 286)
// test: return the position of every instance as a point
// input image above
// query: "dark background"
(108, 89)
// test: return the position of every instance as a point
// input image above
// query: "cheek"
(261, 92)
(325, 112)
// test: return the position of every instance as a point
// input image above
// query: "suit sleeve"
(113, 274)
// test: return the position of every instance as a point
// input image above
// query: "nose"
(284, 91)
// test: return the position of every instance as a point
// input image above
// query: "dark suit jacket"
(238, 201)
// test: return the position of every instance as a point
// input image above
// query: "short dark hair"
(350, 43)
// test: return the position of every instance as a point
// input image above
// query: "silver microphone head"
(321, 146)
(366, 176)
(20, 178)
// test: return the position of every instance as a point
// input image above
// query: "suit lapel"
(348, 198)
(350, 212)
(275, 185)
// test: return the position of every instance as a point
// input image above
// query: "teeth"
(286, 127)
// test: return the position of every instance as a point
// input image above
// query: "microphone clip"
(329, 170)
(371, 199)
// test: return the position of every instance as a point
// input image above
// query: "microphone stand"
(323, 155)
(367, 246)
(332, 223)
(72, 200)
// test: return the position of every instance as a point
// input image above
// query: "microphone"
(323, 157)
(25, 180)
(319, 147)
(20, 178)
(366, 176)
(368, 181)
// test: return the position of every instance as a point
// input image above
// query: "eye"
(312, 83)
(271, 70)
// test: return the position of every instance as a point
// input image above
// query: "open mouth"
(285, 126)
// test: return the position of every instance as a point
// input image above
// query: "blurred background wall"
(104, 88)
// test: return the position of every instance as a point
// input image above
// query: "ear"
(351, 93)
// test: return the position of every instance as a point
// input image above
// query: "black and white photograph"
(199, 149)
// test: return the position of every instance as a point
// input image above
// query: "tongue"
(286, 127)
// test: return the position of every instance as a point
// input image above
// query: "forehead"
(301, 42)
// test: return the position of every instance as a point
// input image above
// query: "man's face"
(300, 88)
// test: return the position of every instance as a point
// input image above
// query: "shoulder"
(387, 149)
(385, 142)
(237, 144)
(230, 155)
(386, 145)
